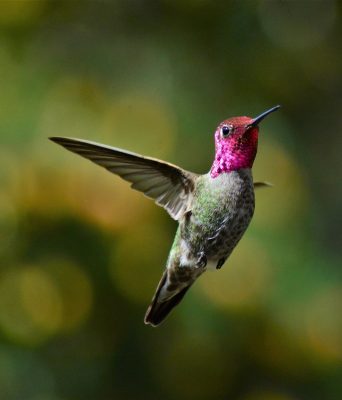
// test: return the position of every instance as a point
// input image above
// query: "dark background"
(81, 253)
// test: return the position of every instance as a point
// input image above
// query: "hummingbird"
(213, 210)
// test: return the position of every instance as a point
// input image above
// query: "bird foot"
(220, 263)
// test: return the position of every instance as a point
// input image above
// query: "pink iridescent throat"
(234, 152)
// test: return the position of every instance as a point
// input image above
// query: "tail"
(159, 309)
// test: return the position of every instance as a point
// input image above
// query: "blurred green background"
(81, 253)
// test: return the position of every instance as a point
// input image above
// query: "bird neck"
(230, 158)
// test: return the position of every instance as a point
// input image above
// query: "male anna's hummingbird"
(213, 210)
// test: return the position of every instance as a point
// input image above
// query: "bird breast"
(221, 212)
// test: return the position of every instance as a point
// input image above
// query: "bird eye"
(226, 130)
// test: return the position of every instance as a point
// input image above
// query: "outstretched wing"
(262, 185)
(170, 186)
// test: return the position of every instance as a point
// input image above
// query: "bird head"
(236, 143)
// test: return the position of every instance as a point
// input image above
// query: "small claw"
(220, 263)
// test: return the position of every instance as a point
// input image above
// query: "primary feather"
(170, 186)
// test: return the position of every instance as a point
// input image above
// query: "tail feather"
(159, 310)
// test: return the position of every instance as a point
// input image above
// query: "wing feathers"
(170, 186)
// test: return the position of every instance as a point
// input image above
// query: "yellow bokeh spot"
(14, 13)
(30, 305)
(37, 302)
(242, 280)
(76, 293)
(40, 298)
(286, 201)
(139, 260)
(104, 199)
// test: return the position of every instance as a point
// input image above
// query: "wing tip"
(61, 138)
(67, 142)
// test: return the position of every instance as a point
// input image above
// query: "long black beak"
(260, 117)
